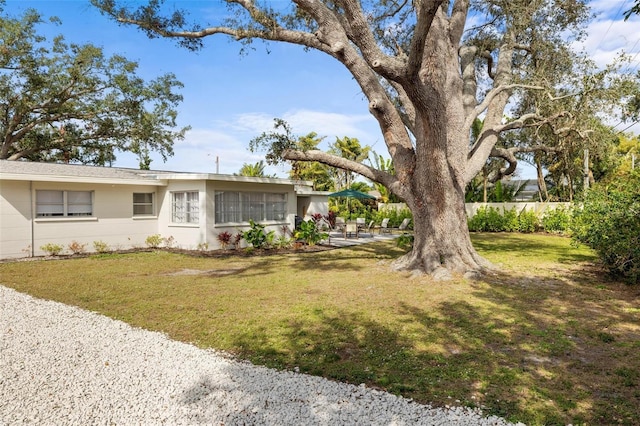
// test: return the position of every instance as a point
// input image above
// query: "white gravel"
(60, 365)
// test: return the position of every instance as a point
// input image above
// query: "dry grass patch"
(549, 340)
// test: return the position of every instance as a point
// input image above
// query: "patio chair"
(384, 226)
(340, 223)
(349, 229)
(404, 225)
(368, 229)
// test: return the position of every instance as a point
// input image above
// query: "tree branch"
(426, 12)
(509, 155)
(371, 173)
(458, 20)
(491, 96)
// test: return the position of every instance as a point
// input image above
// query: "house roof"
(55, 172)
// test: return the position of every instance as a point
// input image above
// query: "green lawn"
(547, 340)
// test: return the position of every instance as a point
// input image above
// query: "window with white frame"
(185, 207)
(53, 203)
(234, 206)
(143, 204)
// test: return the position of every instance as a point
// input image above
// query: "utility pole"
(585, 177)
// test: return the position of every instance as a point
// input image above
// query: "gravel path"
(60, 365)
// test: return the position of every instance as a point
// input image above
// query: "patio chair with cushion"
(367, 229)
(384, 226)
(404, 225)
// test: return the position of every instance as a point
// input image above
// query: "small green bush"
(256, 236)
(609, 223)
(395, 216)
(487, 219)
(405, 241)
(154, 241)
(556, 220)
(101, 246)
(308, 232)
(511, 220)
(528, 221)
(52, 249)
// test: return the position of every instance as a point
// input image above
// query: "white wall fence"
(472, 208)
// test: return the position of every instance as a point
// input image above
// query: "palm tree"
(253, 170)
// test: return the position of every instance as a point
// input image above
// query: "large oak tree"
(68, 102)
(429, 69)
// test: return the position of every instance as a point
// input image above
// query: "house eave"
(80, 179)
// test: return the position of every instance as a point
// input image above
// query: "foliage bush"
(309, 233)
(528, 221)
(396, 216)
(52, 249)
(256, 235)
(491, 219)
(154, 241)
(487, 219)
(224, 238)
(76, 247)
(609, 223)
(101, 246)
(556, 220)
(405, 241)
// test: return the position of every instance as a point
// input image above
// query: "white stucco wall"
(15, 219)
(185, 235)
(112, 222)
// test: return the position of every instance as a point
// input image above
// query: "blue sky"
(230, 98)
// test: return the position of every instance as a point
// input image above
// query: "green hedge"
(491, 219)
(609, 223)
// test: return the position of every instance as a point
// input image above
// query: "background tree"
(253, 170)
(281, 134)
(70, 103)
(634, 9)
(313, 171)
(349, 149)
(385, 165)
(427, 77)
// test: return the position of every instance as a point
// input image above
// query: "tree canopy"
(68, 102)
(429, 70)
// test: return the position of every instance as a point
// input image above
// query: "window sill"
(265, 223)
(141, 217)
(67, 219)
(184, 225)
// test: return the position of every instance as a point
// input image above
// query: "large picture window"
(185, 207)
(235, 207)
(64, 203)
(143, 204)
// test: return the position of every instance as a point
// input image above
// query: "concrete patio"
(337, 239)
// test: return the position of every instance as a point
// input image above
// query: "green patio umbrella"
(351, 193)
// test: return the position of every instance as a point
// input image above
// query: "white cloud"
(303, 121)
(610, 35)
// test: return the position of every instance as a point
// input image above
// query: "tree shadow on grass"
(542, 351)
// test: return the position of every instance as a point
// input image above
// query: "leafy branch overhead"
(68, 102)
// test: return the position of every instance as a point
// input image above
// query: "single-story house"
(45, 203)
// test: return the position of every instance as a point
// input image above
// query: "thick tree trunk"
(442, 243)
